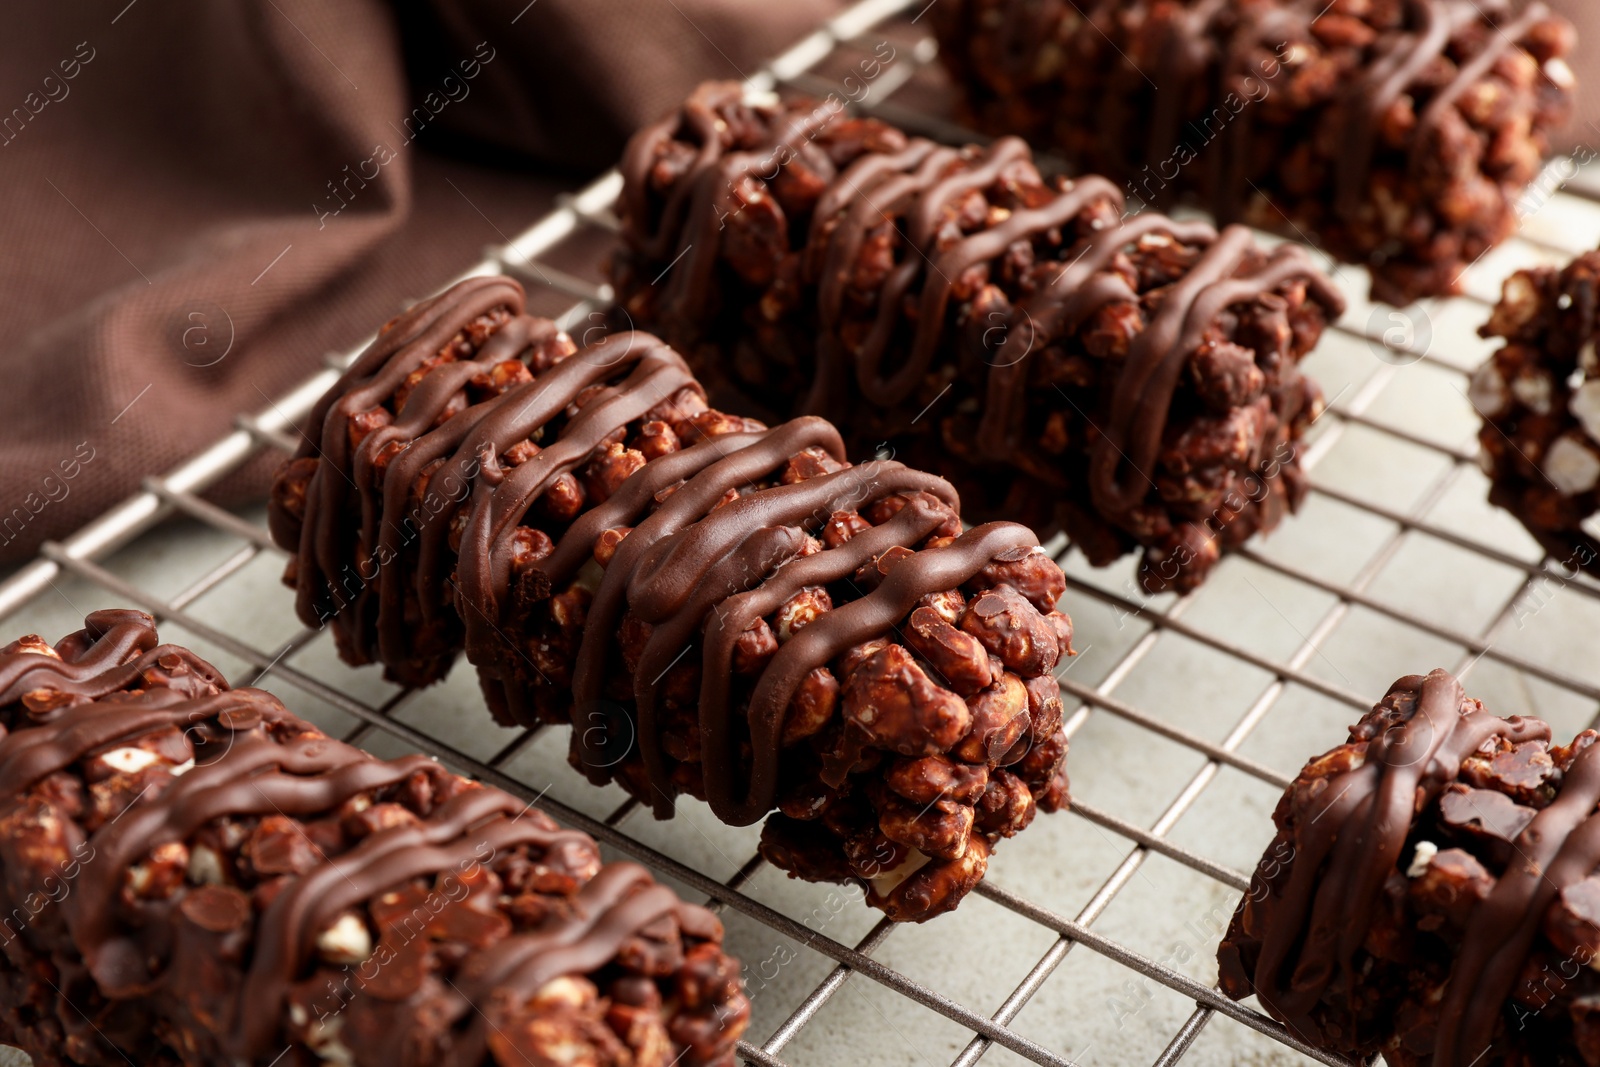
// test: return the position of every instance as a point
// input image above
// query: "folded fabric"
(202, 203)
(1581, 135)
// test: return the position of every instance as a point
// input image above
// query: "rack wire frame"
(273, 430)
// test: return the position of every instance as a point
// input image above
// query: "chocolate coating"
(952, 302)
(1397, 133)
(225, 961)
(1460, 954)
(1540, 403)
(693, 592)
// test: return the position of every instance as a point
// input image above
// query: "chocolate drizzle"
(711, 545)
(1210, 40)
(1125, 453)
(691, 570)
(918, 187)
(501, 498)
(1560, 847)
(112, 684)
(1349, 838)
(1401, 58)
(362, 600)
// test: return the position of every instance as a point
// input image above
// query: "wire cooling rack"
(1093, 939)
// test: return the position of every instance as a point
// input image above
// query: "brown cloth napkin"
(1583, 132)
(202, 200)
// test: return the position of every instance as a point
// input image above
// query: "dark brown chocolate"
(229, 872)
(1426, 895)
(715, 607)
(1539, 398)
(1004, 331)
(1397, 133)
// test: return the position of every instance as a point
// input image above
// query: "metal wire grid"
(273, 429)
